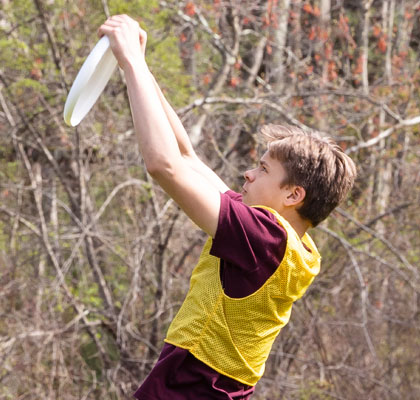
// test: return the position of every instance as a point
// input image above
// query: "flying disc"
(90, 82)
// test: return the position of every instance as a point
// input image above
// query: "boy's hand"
(127, 39)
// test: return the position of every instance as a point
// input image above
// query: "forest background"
(95, 259)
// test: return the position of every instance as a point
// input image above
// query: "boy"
(258, 259)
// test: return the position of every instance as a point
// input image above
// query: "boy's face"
(263, 185)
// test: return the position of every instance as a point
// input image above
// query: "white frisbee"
(90, 82)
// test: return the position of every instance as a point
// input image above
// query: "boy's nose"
(248, 175)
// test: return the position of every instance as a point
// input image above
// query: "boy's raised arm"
(160, 148)
(185, 145)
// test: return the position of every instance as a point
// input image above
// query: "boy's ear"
(296, 196)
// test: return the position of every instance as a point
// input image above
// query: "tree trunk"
(388, 12)
(366, 4)
(280, 37)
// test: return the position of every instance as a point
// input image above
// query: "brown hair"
(315, 162)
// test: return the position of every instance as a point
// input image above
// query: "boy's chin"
(246, 199)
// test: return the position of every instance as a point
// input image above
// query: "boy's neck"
(299, 224)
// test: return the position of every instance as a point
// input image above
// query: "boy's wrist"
(136, 65)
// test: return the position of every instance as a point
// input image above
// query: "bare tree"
(95, 259)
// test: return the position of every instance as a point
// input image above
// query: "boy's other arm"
(179, 175)
(158, 145)
(185, 145)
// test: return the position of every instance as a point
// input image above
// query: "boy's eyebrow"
(264, 163)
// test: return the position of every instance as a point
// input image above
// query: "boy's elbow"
(160, 170)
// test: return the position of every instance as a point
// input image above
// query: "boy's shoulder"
(232, 204)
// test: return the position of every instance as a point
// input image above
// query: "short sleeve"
(251, 243)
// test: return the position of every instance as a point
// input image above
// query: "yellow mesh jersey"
(234, 335)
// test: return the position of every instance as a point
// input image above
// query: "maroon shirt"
(251, 245)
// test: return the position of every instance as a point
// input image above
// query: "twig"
(380, 216)
(384, 134)
(357, 94)
(381, 238)
(54, 48)
(245, 101)
(363, 292)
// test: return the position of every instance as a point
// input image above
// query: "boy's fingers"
(112, 22)
(125, 19)
(119, 17)
(119, 26)
(104, 29)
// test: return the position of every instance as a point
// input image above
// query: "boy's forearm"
(157, 142)
(184, 143)
(162, 139)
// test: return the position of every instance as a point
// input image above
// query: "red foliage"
(297, 102)
(309, 70)
(266, 21)
(376, 30)
(343, 145)
(190, 9)
(316, 12)
(253, 153)
(272, 16)
(332, 71)
(343, 23)
(359, 65)
(74, 20)
(323, 34)
(408, 14)
(312, 33)
(64, 139)
(328, 50)
(63, 16)
(307, 7)
(293, 15)
(234, 81)
(36, 74)
(274, 21)
(382, 44)
(398, 60)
